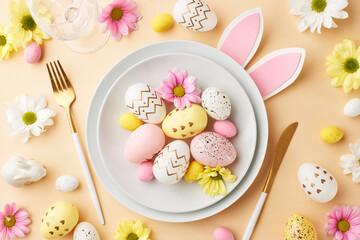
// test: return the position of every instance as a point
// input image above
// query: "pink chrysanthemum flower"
(13, 222)
(120, 17)
(344, 223)
(180, 89)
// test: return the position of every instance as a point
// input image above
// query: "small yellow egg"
(193, 171)
(161, 22)
(130, 122)
(331, 134)
(299, 227)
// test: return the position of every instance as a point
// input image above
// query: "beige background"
(310, 100)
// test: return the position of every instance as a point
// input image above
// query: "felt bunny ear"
(242, 37)
(277, 70)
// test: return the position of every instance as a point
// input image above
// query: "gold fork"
(65, 96)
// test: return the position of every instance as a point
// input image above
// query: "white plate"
(182, 196)
(165, 48)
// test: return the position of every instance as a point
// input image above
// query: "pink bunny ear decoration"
(242, 37)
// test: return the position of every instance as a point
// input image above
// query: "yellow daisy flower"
(129, 230)
(5, 45)
(344, 66)
(212, 180)
(23, 28)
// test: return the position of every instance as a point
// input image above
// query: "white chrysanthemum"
(28, 114)
(317, 13)
(351, 162)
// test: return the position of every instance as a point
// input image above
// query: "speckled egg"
(222, 233)
(299, 227)
(85, 231)
(216, 103)
(59, 220)
(331, 134)
(66, 183)
(212, 149)
(130, 122)
(32, 53)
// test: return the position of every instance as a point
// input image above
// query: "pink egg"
(145, 171)
(143, 143)
(221, 233)
(225, 128)
(32, 53)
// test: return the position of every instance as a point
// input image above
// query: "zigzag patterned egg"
(194, 15)
(171, 163)
(145, 103)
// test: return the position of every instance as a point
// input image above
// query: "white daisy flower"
(28, 114)
(317, 13)
(351, 162)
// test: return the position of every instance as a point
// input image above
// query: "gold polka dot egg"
(299, 227)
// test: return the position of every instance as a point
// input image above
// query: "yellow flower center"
(318, 5)
(116, 14)
(9, 221)
(28, 23)
(351, 65)
(217, 177)
(29, 118)
(2, 40)
(343, 225)
(132, 236)
(179, 91)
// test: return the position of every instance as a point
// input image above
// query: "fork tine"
(54, 87)
(61, 77)
(60, 87)
(64, 75)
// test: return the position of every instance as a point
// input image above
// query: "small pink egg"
(221, 233)
(145, 171)
(32, 53)
(225, 128)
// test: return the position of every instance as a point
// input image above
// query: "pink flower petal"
(172, 78)
(187, 102)
(185, 74)
(179, 79)
(123, 28)
(190, 89)
(189, 81)
(168, 96)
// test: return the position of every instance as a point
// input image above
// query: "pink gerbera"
(344, 223)
(180, 89)
(120, 17)
(13, 222)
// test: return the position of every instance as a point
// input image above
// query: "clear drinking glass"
(73, 21)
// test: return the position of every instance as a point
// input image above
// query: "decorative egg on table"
(331, 134)
(186, 123)
(171, 163)
(59, 220)
(216, 103)
(162, 22)
(299, 227)
(143, 143)
(145, 103)
(85, 231)
(318, 183)
(222, 233)
(194, 15)
(352, 108)
(66, 183)
(130, 122)
(212, 149)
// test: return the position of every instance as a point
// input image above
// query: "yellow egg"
(193, 171)
(59, 220)
(331, 134)
(161, 22)
(186, 123)
(130, 122)
(299, 227)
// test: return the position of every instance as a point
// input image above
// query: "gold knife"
(277, 158)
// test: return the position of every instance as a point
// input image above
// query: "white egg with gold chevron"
(145, 103)
(194, 15)
(171, 163)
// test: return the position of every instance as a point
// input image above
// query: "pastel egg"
(225, 128)
(85, 231)
(331, 134)
(130, 122)
(352, 108)
(193, 171)
(145, 171)
(161, 22)
(212, 149)
(146, 104)
(216, 103)
(32, 53)
(200, 19)
(59, 220)
(299, 227)
(172, 162)
(221, 233)
(66, 183)
(318, 183)
(143, 143)
(186, 123)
